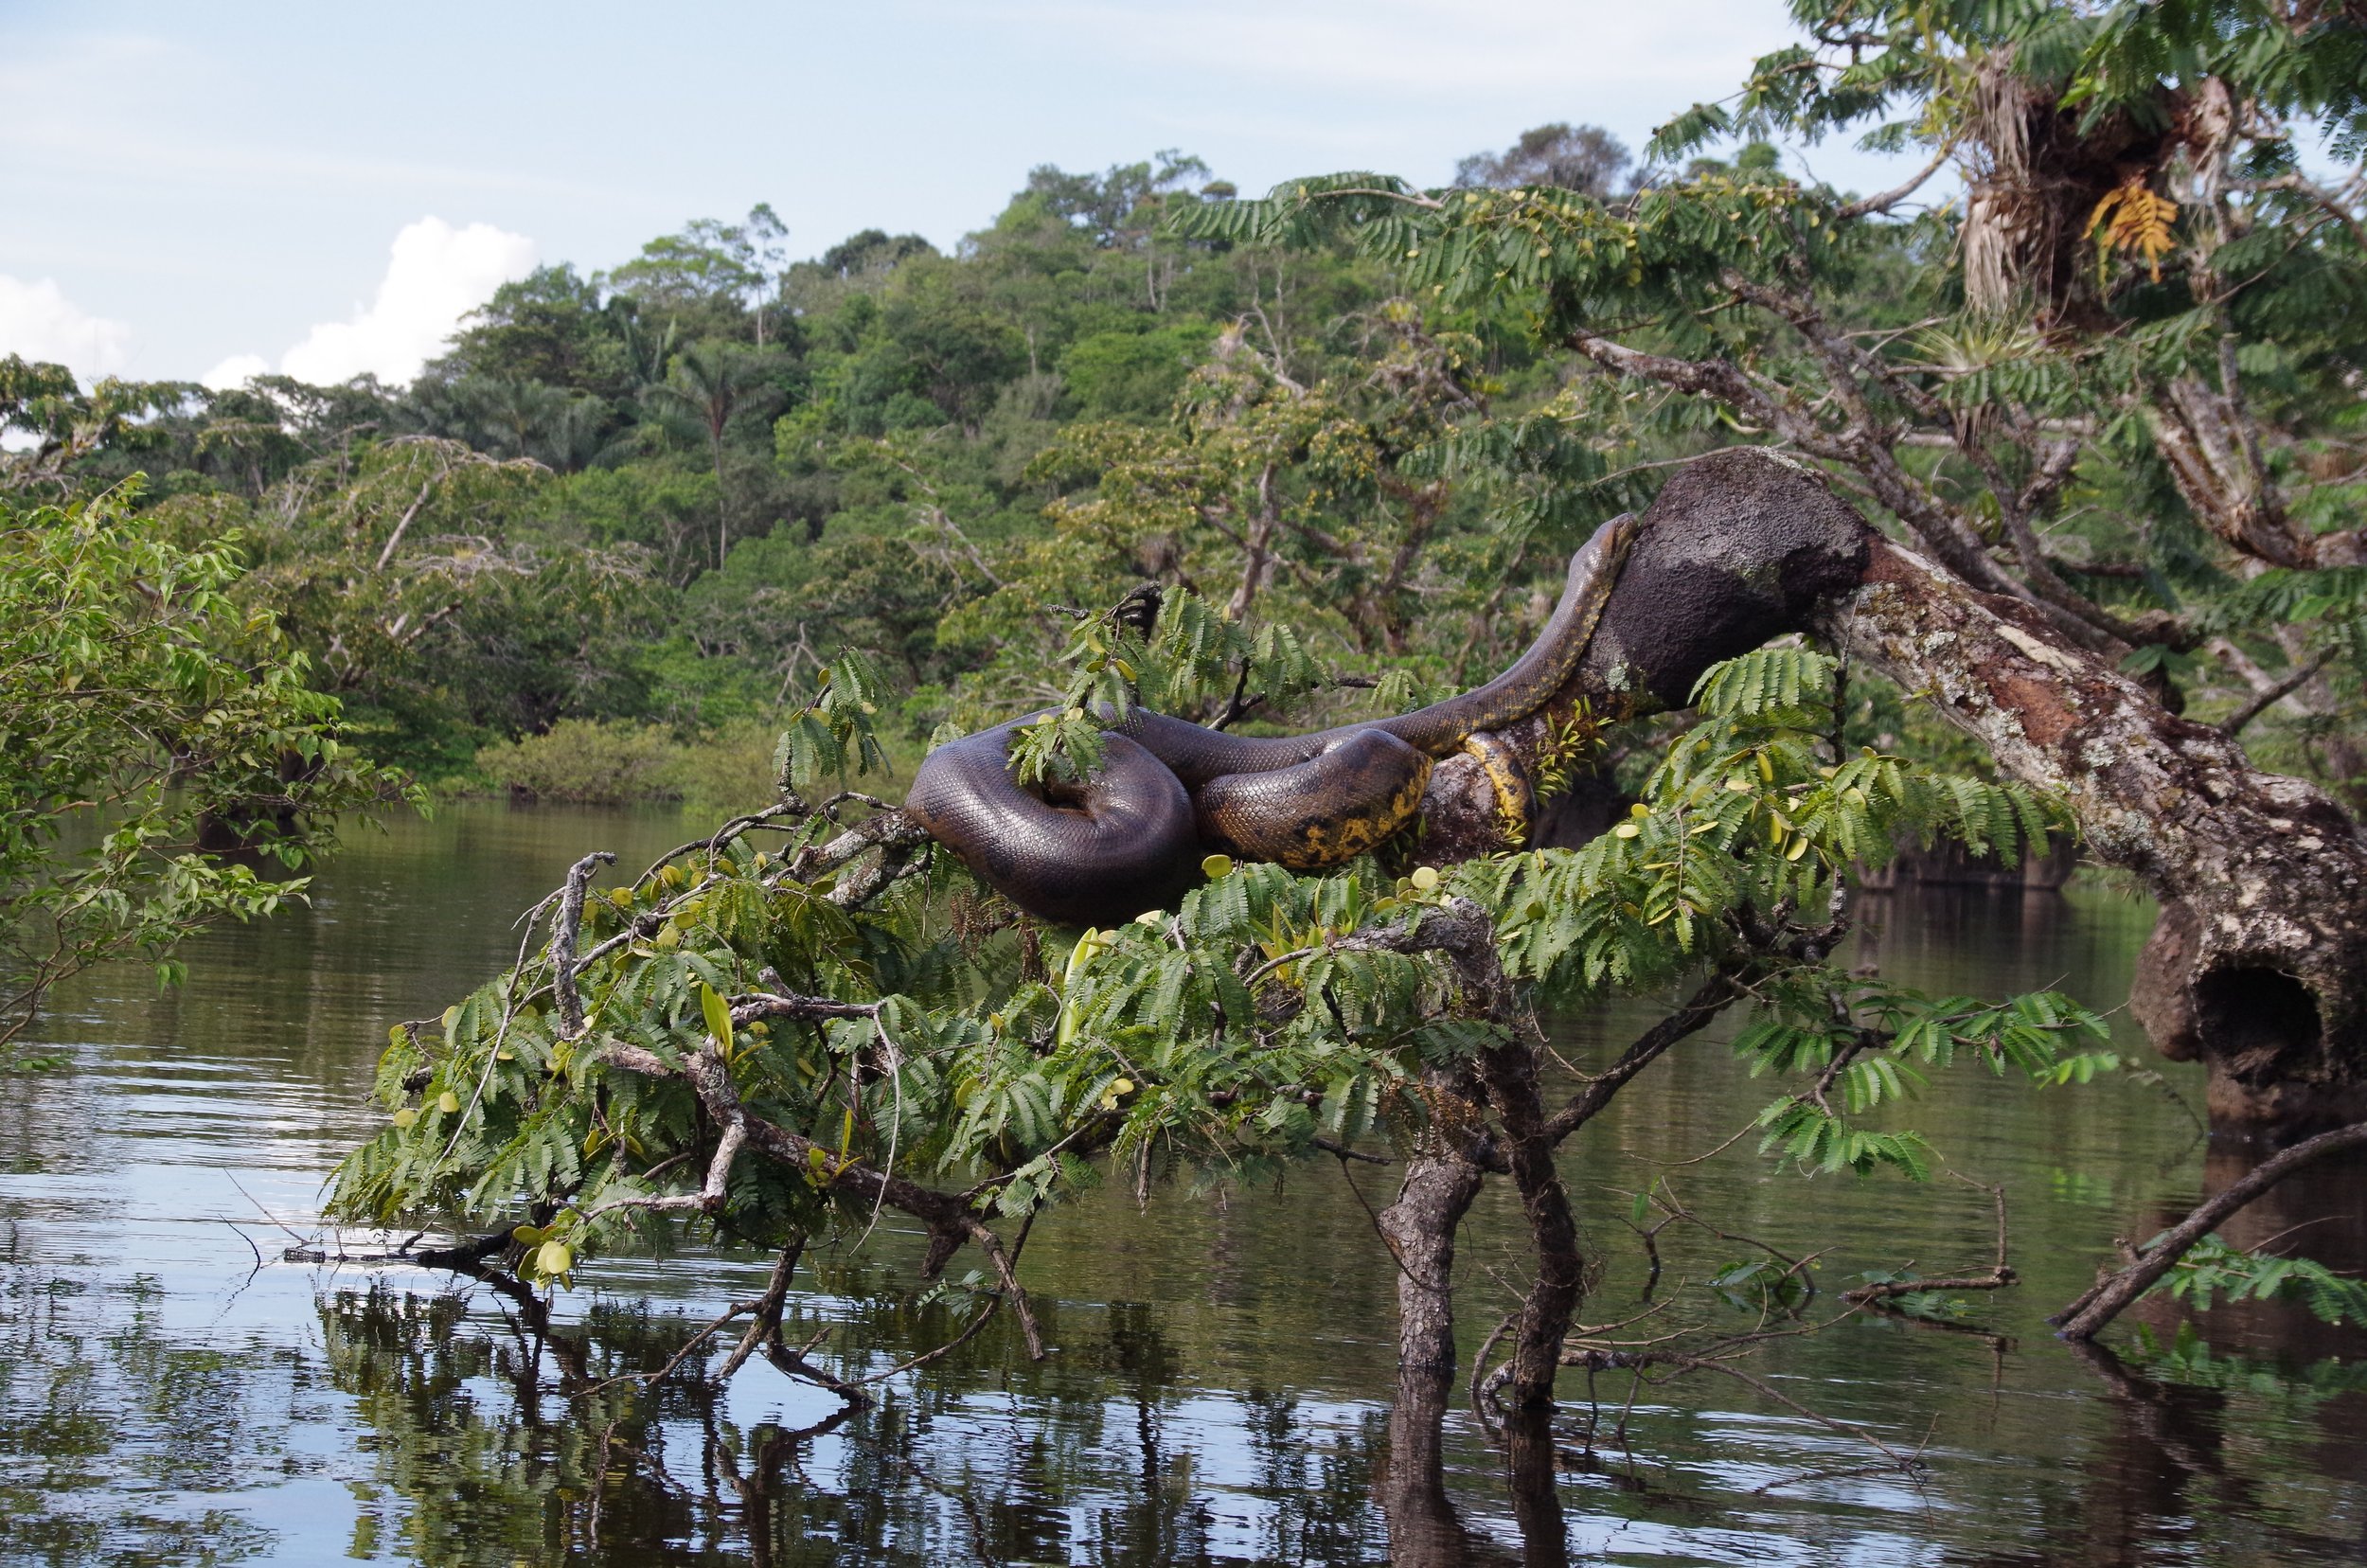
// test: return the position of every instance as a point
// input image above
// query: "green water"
(171, 1392)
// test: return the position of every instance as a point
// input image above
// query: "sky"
(209, 192)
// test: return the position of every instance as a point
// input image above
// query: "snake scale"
(1169, 792)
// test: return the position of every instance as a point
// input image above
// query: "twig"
(1698, 1010)
(1342, 1151)
(2263, 700)
(946, 1350)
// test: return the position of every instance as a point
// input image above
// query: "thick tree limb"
(2265, 877)
(1461, 931)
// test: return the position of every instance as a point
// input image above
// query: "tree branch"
(1865, 206)
(1714, 997)
(2084, 1318)
(2268, 697)
(565, 923)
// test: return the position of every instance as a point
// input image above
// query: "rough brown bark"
(2261, 965)
(1420, 1225)
(1419, 1229)
(1510, 1073)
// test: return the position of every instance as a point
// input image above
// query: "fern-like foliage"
(2213, 1270)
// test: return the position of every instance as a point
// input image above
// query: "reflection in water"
(1223, 1389)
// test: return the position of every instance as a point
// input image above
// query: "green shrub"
(587, 760)
(730, 770)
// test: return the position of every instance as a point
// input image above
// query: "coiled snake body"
(1169, 791)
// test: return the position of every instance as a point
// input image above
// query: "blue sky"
(192, 185)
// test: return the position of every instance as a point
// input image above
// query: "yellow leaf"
(717, 1014)
(405, 1118)
(1217, 866)
(554, 1257)
(2132, 218)
(449, 1103)
(1425, 877)
(1626, 830)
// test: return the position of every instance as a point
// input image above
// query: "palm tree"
(701, 389)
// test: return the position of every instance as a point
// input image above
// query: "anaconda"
(1169, 791)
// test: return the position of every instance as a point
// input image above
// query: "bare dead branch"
(565, 923)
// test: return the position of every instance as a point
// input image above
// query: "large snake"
(1168, 792)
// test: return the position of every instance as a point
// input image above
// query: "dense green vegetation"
(669, 494)
(165, 763)
(1347, 434)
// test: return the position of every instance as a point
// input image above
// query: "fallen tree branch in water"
(1891, 1290)
(2085, 1317)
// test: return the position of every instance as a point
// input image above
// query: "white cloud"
(436, 273)
(235, 372)
(39, 322)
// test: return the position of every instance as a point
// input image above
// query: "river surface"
(172, 1391)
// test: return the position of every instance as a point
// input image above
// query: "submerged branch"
(2085, 1317)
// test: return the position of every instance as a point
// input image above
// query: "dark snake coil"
(1169, 792)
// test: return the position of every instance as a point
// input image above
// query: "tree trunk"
(2260, 964)
(1510, 1073)
(1420, 1228)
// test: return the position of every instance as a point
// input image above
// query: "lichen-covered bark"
(2260, 963)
